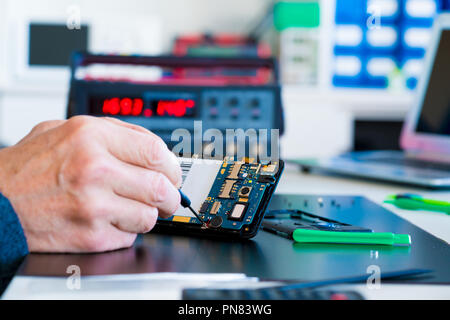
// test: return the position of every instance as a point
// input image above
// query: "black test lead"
(186, 203)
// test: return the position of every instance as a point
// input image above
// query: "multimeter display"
(147, 107)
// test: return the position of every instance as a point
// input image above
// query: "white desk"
(296, 182)
(438, 224)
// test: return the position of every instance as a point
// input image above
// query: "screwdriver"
(186, 203)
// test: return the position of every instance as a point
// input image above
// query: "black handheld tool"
(186, 203)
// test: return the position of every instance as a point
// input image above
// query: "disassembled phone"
(230, 196)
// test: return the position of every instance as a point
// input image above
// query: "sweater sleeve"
(13, 244)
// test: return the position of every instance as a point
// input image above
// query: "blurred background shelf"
(335, 98)
(376, 104)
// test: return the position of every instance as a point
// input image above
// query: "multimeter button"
(212, 101)
(254, 102)
(256, 113)
(233, 101)
(213, 112)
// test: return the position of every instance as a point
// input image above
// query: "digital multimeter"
(166, 93)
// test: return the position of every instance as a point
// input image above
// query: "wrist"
(5, 171)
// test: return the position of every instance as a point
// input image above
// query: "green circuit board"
(235, 196)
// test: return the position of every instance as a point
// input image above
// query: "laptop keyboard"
(413, 163)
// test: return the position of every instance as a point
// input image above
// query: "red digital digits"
(134, 107)
(111, 106)
(148, 113)
(137, 107)
(175, 108)
(124, 106)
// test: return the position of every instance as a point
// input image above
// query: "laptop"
(425, 139)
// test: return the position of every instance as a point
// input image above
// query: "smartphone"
(230, 196)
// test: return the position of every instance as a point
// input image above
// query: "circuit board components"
(237, 193)
(229, 196)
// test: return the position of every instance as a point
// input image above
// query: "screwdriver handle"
(379, 238)
(185, 202)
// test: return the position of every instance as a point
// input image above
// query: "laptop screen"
(435, 114)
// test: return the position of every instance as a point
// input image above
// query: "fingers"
(43, 127)
(146, 186)
(128, 125)
(47, 125)
(143, 149)
(108, 237)
(132, 216)
(118, 239)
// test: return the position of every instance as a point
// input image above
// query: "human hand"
(89, 184)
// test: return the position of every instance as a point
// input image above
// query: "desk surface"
(296, 182)
(268, 256)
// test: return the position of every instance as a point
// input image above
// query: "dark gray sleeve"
(13, 244)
